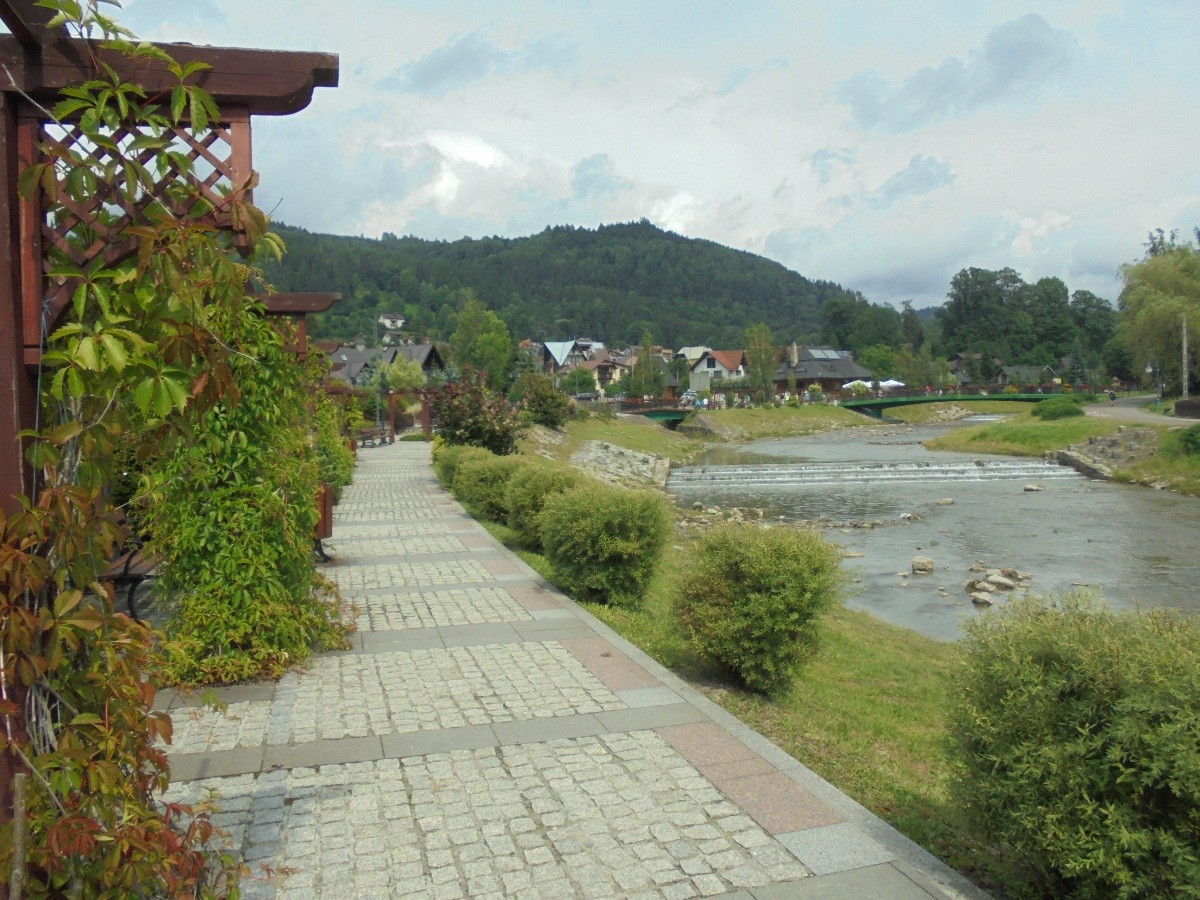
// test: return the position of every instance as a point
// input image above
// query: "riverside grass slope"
(1024, 435)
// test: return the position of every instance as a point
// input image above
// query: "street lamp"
(1152, 367)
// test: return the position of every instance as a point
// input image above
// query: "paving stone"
(428, 609)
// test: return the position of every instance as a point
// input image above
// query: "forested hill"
(611, 284)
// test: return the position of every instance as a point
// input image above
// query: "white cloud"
(982, 127)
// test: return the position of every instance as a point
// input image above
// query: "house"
(604, 368)
(824, 367)
(352, 363)
(1022, 376)
(561, 356)
(425, 354)
(391, 321)
(969, 367)
(691, 354)
(715, 367)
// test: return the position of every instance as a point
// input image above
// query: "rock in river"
(922, 564)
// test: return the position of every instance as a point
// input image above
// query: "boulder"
(982, 600)
(1033, 488)
(923, 564)
(1001, 582)
(946, 501)
(852, 554)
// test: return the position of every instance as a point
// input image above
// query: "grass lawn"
(1023, 435)
(787, 421)
(923, 413)
(644, 436)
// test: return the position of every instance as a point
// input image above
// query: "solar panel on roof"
(824, 354)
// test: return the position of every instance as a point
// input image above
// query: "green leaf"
(178, 395)
(178, 100)
(85, 354)
(117, 357)
(143, 395)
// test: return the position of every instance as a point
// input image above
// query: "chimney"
(793, 354)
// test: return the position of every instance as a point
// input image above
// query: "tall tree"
(911, 328)
(980, 313)
(762, 357)
(481, 341)
(1160, 307)
(649, 375)
(1095, 321)
(1049, 309)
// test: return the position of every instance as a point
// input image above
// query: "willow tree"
(1160, 308)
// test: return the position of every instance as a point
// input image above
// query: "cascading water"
(816, 474)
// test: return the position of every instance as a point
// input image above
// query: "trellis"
(36, 64)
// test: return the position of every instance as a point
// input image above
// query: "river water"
(1135, 545)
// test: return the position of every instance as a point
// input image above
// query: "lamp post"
(380, 374)
(1154, 369)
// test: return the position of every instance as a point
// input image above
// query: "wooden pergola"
(36, 63)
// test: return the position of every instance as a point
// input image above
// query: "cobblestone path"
(485, 737)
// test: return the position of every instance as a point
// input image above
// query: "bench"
(129, 570)
(370, 437)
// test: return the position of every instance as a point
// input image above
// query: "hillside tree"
(481, 341)
(762, 358)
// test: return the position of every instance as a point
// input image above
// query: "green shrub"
(750, 599)
(604, 542)
(1057, 407)
(446, 458)
(1189, 440)
(545, 404)
(480, 481)
(1077, 733)
(527, 492)
(469, 412)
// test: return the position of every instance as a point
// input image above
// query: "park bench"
(370, 437)
(129, 570)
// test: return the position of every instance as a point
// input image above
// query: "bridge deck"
(876, 405)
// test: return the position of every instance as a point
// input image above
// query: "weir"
(881, 473)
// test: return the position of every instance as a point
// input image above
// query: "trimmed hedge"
(480, 482)
(1078, 740)
(1058, 407)
(750, 599)
(446, 458)
(604, 542)
(527, 492)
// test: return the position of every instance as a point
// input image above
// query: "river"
(1135, 545)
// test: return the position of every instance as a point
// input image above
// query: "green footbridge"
(875, 406)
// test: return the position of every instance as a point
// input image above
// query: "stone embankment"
(1101, 456)
(617, 465)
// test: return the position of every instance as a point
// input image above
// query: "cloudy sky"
(878, 144)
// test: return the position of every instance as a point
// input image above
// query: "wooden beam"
(266, 82)
(27, 22)
(297, 304)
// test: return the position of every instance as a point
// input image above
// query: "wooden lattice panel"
(88, 232)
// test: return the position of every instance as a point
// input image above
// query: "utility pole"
(1183, 368)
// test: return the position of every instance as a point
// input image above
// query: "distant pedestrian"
(1112, 398)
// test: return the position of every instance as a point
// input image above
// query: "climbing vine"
(164, 365)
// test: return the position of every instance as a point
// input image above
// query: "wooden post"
(426, 423)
